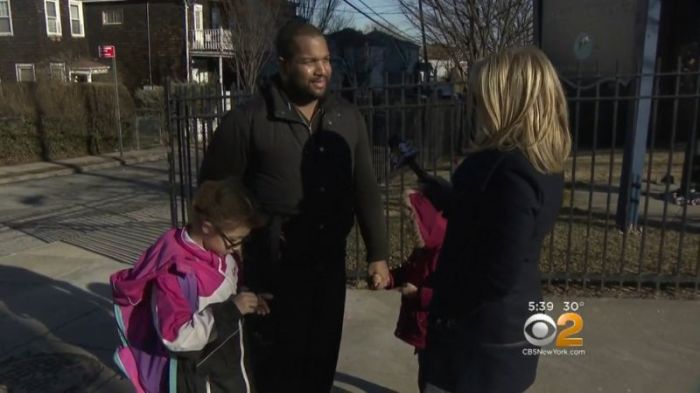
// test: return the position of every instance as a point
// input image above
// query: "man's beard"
(301, 93)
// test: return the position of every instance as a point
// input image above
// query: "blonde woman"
(505, 198)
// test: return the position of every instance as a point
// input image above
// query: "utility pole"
(117, 112)
(148, 29)
(425, 46)
(110, 52)
(636, 139)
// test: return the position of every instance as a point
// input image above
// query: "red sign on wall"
(108, 51)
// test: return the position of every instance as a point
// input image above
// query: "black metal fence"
(589, 247)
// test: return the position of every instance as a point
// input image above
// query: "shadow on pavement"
(34, 200)
(55, 336)
(104, 291)
(358, 384)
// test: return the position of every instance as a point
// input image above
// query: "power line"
(381, 17)
(386, 6)
(399, 34)
(356, 12)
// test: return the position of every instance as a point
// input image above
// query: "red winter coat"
(412, 325)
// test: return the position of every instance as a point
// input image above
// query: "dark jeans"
(299, 341)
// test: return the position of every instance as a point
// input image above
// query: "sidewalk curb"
(63, 169)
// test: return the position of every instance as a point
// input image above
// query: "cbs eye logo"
(541, 330)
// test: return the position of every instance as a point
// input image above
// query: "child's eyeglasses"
(228, 243)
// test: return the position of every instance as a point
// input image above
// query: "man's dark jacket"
(310, 178)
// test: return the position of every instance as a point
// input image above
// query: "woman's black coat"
(500, 210)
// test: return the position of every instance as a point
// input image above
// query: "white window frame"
(18, 66)
(9, 17)
(80, 18)
(58, 18)
(198, 17)
(198, 24)
(63, 70)
(120, 12)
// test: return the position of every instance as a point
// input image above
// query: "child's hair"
(520, 104)
(225, 204)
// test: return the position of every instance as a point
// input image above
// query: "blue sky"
(389, 9)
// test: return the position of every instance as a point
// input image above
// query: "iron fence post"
(172, 187)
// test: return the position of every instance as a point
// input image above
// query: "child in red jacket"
(413, 277)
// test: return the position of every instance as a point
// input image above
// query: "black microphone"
(404, 154)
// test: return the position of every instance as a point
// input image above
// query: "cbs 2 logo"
(541, 330)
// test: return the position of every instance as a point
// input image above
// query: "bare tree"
(324, 14)
(254, 24)
(339, 22)
(472, 29)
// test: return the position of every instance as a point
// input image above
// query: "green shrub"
(151, 99)
(15, 101)
(54, 120)
(99, 101)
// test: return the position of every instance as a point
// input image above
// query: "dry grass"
(600, 166)
(597, 247)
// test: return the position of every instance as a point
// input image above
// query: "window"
(113, 17)
(77, 28)
(53, 17)
(58, 71)
(215, 16)
(198, 17)
(5, 18)
(25, 72)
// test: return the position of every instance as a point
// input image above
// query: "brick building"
(43, 39)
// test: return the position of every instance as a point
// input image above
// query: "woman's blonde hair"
(520, 104)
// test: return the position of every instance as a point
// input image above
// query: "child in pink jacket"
(412, 278)
(180, 308)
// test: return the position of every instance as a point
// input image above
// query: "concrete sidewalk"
(58, 335)
(42, 170)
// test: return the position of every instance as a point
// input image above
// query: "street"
(115, 212)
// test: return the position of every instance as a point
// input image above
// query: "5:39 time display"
(541, 306)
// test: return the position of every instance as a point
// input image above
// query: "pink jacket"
(412, 325)
(161, 306)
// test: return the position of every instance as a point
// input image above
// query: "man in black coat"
(304, 155)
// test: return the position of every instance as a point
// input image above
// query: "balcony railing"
(211, 40)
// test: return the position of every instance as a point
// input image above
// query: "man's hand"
(378, 273)
(263, 307)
